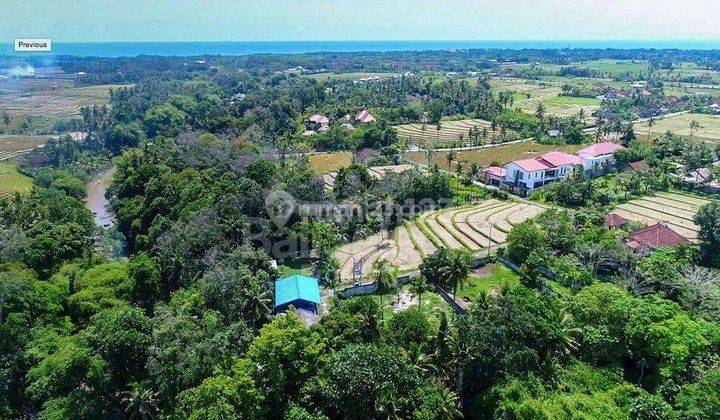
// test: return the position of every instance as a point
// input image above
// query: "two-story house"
(598, 157)
(529, 174)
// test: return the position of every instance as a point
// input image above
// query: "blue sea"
(130, 49)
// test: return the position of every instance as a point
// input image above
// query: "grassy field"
(11, 181)
(12, 143)
(709, 126)
(528, 95)
(486, 279)
(494, 155)
(321, 163)
(615, 67)
(451, 132)
(479, 227)
(676, 209)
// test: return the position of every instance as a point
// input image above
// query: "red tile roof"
(655, 236)
(496, 171)
(531, 165)
(615, 220)
(600, 149)
(364, 116)
(639, 165)
(561, 159)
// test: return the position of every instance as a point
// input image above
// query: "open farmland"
(614, 68)
(321, 163)
(11, 181)
(14, 146)
(680, 124)
(494, 155)
(527, 96)
(673, 209)
(50, 98)
(451, 132)
(476, 227)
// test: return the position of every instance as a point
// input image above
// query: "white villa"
(527, 175)
(598, 156)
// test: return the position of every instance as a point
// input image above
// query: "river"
(96, 201)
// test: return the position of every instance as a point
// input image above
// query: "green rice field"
(11, 181)
(709, 127)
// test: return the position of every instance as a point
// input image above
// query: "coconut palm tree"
(694, 125)
(456, 272)
(257, 302)
(382, 274)
(474, 171)
(651, 123)
(418, 286)
(140, 402)
(452, 154)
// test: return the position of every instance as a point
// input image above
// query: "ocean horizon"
(132, 49)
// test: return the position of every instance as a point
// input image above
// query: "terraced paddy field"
(11, 181)
(53, 101)
(674, 209)
(527, 96)
(451, 132)
(476, 227)
(500, 155)
(680, 124)
(377, 172)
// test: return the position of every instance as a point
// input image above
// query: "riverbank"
(96, 201)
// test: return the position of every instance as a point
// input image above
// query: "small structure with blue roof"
(297, 290)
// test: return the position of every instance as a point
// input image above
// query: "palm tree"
(568, 331)
(383, 276)
(459, 165)
(451, 157)
(474, 171)
(418, 286)
(456, 272)
(421, 361)
(651, 123)
(449, 404)
(694, 125)
(140, 402)
(256, 305)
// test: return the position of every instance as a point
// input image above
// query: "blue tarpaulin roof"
(296, 287)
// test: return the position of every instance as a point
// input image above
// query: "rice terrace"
(480, 228)
(674, 209)
(453, 133)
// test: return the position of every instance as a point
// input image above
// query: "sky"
(286, 20)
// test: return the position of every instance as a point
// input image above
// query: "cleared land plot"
(494, 155)
(476, 227)
(59, 101)
(486, 279)
(12, 143)
(451, 132)
(11, 181)
(674, 209)
(680, 124)
(321, 163)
